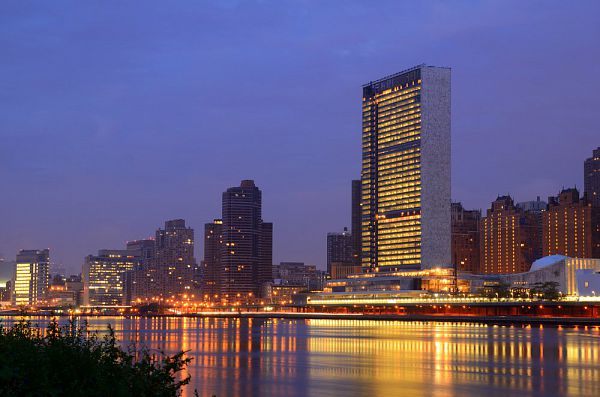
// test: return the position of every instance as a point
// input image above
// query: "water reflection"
(251, 357)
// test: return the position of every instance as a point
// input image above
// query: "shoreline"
(489, 320)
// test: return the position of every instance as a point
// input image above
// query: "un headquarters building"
(405, 178)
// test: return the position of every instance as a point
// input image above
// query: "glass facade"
(31, 277)
(391, 172)
(104, 277)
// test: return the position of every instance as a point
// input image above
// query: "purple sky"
(116, 116)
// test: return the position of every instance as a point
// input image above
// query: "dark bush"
(69, 361)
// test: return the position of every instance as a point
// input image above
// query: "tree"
(547, 290)
(497, 291)
(70, 361)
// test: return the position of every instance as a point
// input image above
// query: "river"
(347, 358)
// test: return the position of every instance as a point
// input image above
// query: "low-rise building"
(299, 274)
(574, 276)
(279, 294)
(344, 269)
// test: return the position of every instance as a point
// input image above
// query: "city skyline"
(64, 196)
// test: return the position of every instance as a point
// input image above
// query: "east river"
(347, 358)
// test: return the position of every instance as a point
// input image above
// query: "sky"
(116, 116)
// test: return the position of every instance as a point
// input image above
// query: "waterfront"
(320, 357)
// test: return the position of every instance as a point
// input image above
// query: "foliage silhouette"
(70, 361)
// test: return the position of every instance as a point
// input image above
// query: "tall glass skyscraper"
(405, 219)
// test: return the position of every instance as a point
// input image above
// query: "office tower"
(591, 178)
(406, 170)
(104, 277)
(567, 225)
(592, 193)
(356, 219)
(211, 265)
(246, 254)
(465, 238)
(339, 250)
(32, 277)
(172, 268)
(509, 238)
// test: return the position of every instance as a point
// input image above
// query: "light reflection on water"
(256, 357)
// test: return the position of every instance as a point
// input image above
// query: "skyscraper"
(406, 170)
(465, 238)
(509, 238)
(211, 265)
(339, 250)
(356, 218)
(247, 250)
(173, 264)
(591, 184)
(591, 178)
(32, 277)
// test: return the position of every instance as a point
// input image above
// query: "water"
(347, 358)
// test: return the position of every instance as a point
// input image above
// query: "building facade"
(406, 171)
(567, 225)
(173, 266)
(595, 232)
(536, 205)
(103, 276)
(574, 276)
(535, 210)
(247, 249)
(144, 249)
(340, 249)
(591, 178)
(465, 238)
(592, 193)
(509, 238)
(299, 274)
(32, 277)
(211, 265)
(356, 219)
